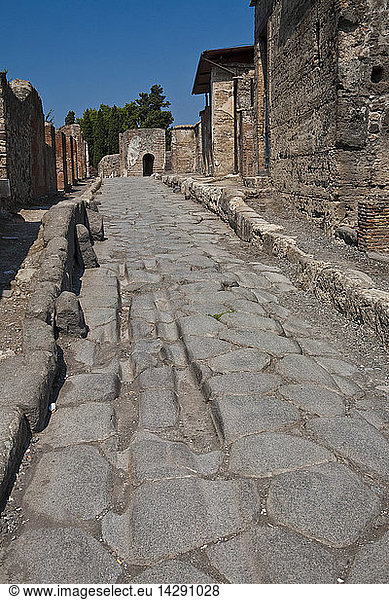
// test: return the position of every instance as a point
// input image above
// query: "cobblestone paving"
(204, 432)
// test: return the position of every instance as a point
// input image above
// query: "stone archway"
(148, 165)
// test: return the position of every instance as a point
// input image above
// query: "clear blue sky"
(81, 53)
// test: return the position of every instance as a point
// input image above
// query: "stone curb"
(351, 292)
(26, 380)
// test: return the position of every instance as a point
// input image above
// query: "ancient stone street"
(207, 431)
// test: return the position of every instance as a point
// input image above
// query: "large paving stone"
(171, 517)
(66, 555)
(157, 378)
(338, 367)
(317, 347)
(269, 454)
(314, 399)
(272, 555)
(247, 322)
(201, 348)
(241, 384)
(89, 388)
(154, 458)
(264, 340)
(70, 485)
(200, 325)
(176, 571)
(238, 416)
(371, 564)
(302, 368)
(14, 437)
(327, 503)
(245, 359)
(158, 409)
(355, 439)
(90, 422)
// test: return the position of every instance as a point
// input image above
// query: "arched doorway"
(148, 165)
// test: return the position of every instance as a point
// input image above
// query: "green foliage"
(218, 316)
(70, 118)
(101, 127)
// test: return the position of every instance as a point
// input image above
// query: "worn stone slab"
(303, 368)
(70, 485)
(154, 458)
(314, 399)
(371, 564)
(14, 437)
(355, 439)
(89, 422)
(85, 352)
(157, 378)
(337, 366)
(168, 518)
(269, 342)
(316, 347)
(38, 335)
(328, 503)
(245, 359)
(248, 322)
(158, 409)
(273, 555)
(269, 454)
(203, 325)
(89, 387)
(69, 317)
(66, 554)
(241, 383)
(199, 348)
(176, 571)
(238, 416)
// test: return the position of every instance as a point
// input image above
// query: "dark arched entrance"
(148, 165)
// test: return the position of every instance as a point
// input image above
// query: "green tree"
(101, 127)
(70, 118)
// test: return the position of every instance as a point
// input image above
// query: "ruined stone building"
(35, 160)
(27, 168)
(141, 153)
(226, 77)
(322, 106)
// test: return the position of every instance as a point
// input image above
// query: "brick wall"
(137, 146)
(244, 118)
(51, 172)
(373, 230)
(61, 161)
(79, 150)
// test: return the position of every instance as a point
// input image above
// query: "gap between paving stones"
(27, 380)
(352, 293)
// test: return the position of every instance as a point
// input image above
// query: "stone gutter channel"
(351, 292)
(28, 380)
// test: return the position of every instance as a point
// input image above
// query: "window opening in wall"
(148, 165)
(377, 74)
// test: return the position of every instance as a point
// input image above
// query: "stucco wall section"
(184, 149)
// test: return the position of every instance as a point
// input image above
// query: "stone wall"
(109, 166)
(222, 123)
(184, 155)
(244, 124)
(61, 161)
(70, 159)
(321, 104)
(23, 173)
(140, 149)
